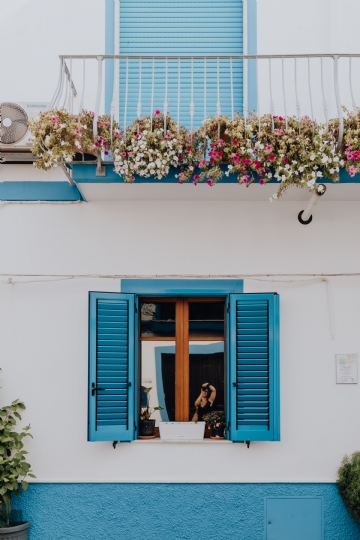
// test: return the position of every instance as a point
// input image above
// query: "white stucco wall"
(44, 328)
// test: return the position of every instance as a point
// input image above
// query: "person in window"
(204, 402)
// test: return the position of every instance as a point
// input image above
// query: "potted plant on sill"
(348, 483)
(182, 431)
(216, 421)
(14, 469)
(147, 424)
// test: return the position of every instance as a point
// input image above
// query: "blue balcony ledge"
(32, 191)
(85, 173)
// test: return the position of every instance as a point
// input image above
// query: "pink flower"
(261, 182)
(106, 153)
(194, 183)
(53, 119)
(286, 159)
(196, 177)
(235, 142)
(269, 147)
(123, 154)
(352, 170)
(245, 179)
(169, 135)
(209, 182)
(180, 157)
(180, 182)
(138, 135)
(92, 113)
(181, 175)
(281, 118)
(157, 111)
(104, 143)
(133, 178)
(271, 157)
(78, 131)
(202, 163)
(280, 131)
(257, 164)
(96, 144)
(212, 160)
(188, 150)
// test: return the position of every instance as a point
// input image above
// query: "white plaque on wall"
(346, 369)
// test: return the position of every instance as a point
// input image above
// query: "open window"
(176, 343)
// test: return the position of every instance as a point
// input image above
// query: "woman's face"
(204, 391)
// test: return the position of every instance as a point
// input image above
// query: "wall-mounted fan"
(13, 123)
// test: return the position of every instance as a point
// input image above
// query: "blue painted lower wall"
(168, 511)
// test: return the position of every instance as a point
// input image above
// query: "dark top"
(204, 410)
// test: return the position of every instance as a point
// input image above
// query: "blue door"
(294, 518)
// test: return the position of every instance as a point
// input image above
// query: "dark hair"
(207, 389)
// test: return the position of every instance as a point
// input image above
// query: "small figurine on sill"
(204, 403)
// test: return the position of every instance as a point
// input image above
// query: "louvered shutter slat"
(254, 367)
(111, 359)
(169, 27)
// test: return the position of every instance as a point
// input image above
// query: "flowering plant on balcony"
(231, 143)
(296, 152)
(58, 135)
(352, 141)
(152, 145)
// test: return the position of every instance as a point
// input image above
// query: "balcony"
(191, 88)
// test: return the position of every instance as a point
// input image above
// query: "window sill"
(182, 441)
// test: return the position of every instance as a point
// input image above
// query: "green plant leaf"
(24, 484)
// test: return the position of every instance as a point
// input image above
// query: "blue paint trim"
(227, 371)
(39, 191)
(111, 510)
(109, 49)
(252, 49)
(113, 432)
(182, 287)
(170, 349)
(86, 174)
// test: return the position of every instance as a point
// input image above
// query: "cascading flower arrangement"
(230, 143)
(152, 145)
(296, 152)
(58, 135)
(352, 141)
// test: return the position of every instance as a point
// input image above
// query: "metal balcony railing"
(193, 87)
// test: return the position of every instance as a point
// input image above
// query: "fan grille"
(14, 132)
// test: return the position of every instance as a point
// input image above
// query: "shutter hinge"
(248, 444)
(135, 426)
(114, 444)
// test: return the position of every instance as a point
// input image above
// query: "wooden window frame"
(182, 343)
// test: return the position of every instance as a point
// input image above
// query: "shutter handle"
(94, 389)
(235, 384)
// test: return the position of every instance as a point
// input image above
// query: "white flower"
(249, 127)
(320, 188)
(341, 162)
(312, 157)
(332, 171)
(337, 169)
(275, 196)
(324, 159)
(144, 132)
(311, 183)
(269, 175)
(283, 178)
(191, 168)
(62, 125)
(230, 167)
(227, 173)
(62, 143)
(336, 159)
(85, 127)
(301, 169)
(77, 144)
(319, 174)
(271, 199)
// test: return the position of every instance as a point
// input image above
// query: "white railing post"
(338, 102)
(100, 171)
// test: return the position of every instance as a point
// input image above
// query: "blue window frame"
(252, 358)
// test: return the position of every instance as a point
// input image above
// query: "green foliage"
(349, 484)
(13, 465)
(214, 419)
(146, 411)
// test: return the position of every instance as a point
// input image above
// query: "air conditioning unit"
(15, 143)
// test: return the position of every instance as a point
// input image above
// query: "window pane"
(158, 373)
(206, 319)
(157, 319)
(206, 367)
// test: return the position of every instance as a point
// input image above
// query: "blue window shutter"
(111, 367)
(181, 27)
(254, 367)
